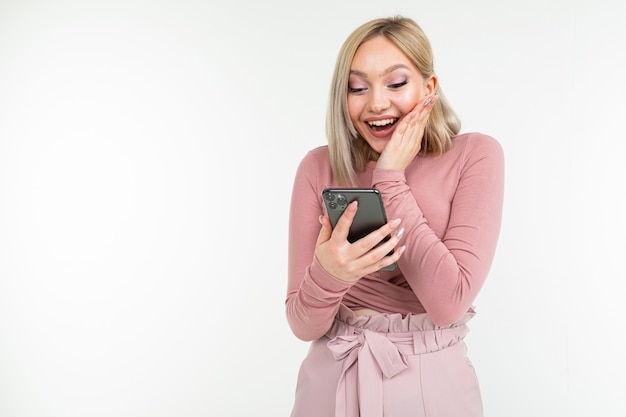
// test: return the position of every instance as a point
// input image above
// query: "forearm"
(311, 308)
(445, 274)
(313, 295)
(446, 262)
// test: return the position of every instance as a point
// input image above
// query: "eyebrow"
(385, 72)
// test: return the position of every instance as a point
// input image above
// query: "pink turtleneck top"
(450, 206)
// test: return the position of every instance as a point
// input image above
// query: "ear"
(431, 84)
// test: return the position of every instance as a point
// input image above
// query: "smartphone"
(370, 214)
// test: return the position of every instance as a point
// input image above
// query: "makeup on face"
(383, 87)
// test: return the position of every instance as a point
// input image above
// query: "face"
(383, 87)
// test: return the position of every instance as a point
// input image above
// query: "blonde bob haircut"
(349, 152)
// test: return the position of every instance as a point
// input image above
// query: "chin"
(379, 147)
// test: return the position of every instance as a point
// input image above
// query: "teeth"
(383, 122)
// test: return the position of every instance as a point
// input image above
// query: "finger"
(386, 251)
(423, 110)
(342, 228)
(430, 101)
(390, 259)
(373, 239)
(325, 232)
(417, 117)
(385, 260)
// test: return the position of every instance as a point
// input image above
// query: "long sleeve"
(450, 206)
(446, 270)
(313, 295)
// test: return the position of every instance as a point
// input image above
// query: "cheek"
(407, 100)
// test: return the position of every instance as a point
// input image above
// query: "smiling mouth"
(383, 124)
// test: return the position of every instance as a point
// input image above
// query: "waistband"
(375, 347)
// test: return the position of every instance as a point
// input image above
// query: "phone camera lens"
(341, 200)
(332, 205)
(330, 196)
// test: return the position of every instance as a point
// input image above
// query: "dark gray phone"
(370, 214)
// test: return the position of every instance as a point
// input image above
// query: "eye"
(356, 90)
(398, 85)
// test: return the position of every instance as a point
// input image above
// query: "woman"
(390, 342)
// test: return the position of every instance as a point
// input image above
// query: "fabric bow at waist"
(377, 356)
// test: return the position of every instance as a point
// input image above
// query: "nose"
(379, 101)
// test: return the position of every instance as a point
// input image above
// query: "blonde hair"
(349, 152)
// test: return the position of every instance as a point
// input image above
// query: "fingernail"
(400, 232)
(401, 249)
(430, 100)
(395, 222)
(320, 219)
(352, 205)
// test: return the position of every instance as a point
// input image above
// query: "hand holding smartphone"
(370, 214)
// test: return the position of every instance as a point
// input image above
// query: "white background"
(147, 152)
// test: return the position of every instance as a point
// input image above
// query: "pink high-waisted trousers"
(388, 366)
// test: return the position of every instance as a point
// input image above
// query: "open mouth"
(384, 124)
